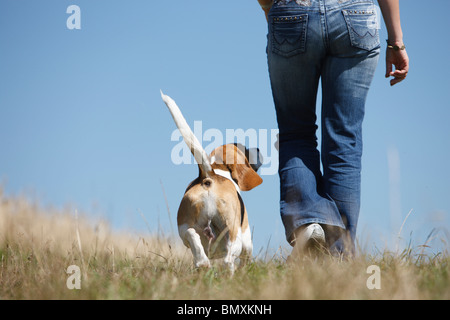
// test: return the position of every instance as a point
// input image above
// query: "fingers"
(398, 60)
(388, 69)
(394, 81)
(399, 76)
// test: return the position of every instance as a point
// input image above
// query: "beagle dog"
(212, 219)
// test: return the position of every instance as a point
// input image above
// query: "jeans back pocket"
(363, 28)
(289, 34)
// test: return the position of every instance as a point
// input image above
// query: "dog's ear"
(237, 163)
(255, 158)
(246, 177)
(253, 155)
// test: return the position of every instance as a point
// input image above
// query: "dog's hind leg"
(247, 247)
(234, 249)
(192, 240)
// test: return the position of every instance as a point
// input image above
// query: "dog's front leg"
(192, 240)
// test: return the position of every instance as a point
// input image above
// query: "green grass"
(38, 245)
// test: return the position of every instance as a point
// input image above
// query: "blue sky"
(82, 124)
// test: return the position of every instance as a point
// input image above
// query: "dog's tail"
(204, 163)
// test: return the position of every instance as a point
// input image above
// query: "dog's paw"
(203, 264)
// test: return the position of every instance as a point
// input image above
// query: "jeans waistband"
(313, 4)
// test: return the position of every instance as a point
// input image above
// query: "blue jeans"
(335, 42)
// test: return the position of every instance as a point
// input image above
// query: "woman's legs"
(295, 66)
(305, 45)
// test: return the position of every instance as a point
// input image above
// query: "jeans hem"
(300, 222)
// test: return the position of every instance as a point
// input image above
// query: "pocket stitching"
(352, 32)
(279, 21)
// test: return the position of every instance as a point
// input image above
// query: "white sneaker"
(309, 239)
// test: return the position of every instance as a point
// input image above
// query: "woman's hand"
(399, 59)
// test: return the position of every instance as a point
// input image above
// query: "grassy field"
(38, 245)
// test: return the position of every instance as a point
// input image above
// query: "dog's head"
(242, 163)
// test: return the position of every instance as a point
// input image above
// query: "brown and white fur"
(212, 219)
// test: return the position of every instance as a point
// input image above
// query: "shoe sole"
(313, 244)
(316, 238)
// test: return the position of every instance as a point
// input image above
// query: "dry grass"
(37, 246)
